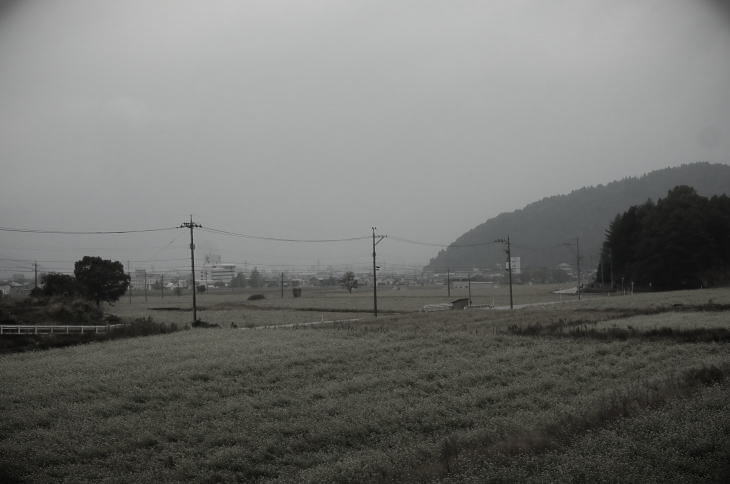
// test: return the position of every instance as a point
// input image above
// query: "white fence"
(27, 329)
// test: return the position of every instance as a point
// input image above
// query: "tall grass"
(683, 439)
(338, 404)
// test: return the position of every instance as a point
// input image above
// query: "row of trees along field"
(255, 279)
(94, 278)
(681, 241)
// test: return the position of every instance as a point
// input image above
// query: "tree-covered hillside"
(540, 231)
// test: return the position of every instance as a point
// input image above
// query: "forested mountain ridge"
(540, 230)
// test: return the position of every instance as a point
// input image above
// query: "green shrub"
(75, 311)
(142, 327)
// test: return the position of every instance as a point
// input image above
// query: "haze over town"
(550, 301)
(319, 120)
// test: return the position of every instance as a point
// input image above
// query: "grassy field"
(225, 306)
(675, 320)
(459, 396)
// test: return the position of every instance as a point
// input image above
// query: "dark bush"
(76, 311)
(256, 297)
(142, 327)
(706, 375)
(112, 319)
(49, 310)
(61, 285)
(6, 317)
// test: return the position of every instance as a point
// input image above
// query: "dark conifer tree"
(679, 242)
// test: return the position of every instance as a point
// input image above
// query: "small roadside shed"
(462, 303)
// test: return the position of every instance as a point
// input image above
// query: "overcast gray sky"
(319, 119)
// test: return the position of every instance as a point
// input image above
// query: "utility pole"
(190, 225)
(577, 262)
(35, 271)
(509, 268)
(162, 286)
(448, 281)
(145, 285)
(375, 273)
(469, 280)
(282, 285)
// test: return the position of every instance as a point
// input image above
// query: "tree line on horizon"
(539, 230)
(680, 242)
(94, 278)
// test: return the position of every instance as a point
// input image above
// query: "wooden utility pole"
(509, 268)
(469, 281)
(577, 261)
(162, 286)
(375, 273)
(282, 285)
(190, 225)
(35, 271)
(448, 281)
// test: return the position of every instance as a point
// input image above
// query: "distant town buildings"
(217, 274)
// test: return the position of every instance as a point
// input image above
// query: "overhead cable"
(72, 232)
(430, 244)
(281, 239)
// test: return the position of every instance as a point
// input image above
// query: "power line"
(432, 244)
(235, 234)
(19, 260)
(97, 232)
(281, 239)
(16, 269)
(69, 261)
(547, 247)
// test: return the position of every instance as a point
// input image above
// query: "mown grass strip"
(612, 406)
(583, 329)
(560, 432)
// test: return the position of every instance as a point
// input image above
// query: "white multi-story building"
(210, 274)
